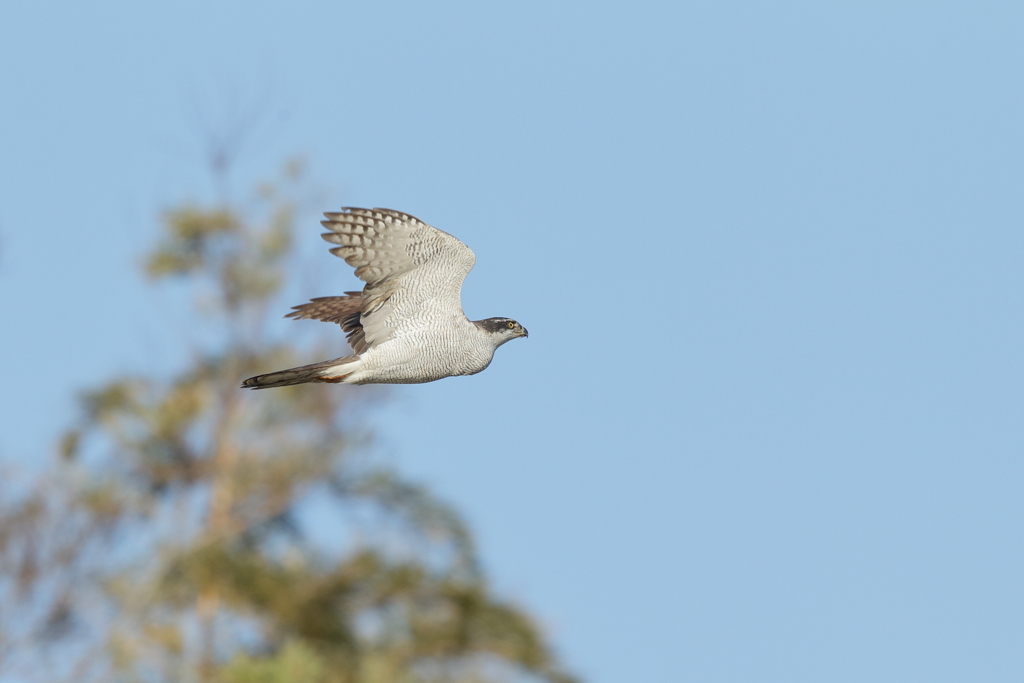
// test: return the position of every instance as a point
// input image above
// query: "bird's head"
(502, 329)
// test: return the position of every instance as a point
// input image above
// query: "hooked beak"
(525, 333)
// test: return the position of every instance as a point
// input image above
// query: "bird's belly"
(419, 358)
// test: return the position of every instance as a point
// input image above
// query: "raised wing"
(411, 270)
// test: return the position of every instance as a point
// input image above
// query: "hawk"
(407, 325)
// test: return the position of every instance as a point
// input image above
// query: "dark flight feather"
(343, 310)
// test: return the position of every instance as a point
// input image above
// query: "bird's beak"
(525, 333)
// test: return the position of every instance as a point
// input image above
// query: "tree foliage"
(192, 531)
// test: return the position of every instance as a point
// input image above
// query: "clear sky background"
(768, 422)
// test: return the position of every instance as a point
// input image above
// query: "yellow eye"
(511, 325)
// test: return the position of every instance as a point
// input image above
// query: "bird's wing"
(343, 310)
(411, 270)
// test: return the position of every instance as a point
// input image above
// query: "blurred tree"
(193, 531)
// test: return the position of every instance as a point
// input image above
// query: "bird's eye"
(511, 325)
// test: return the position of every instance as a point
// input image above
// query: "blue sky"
(767, 425)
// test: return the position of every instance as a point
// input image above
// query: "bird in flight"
(407, 325)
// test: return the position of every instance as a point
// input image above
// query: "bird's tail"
(335, 371)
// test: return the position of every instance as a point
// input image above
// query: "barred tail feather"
(335, 371)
